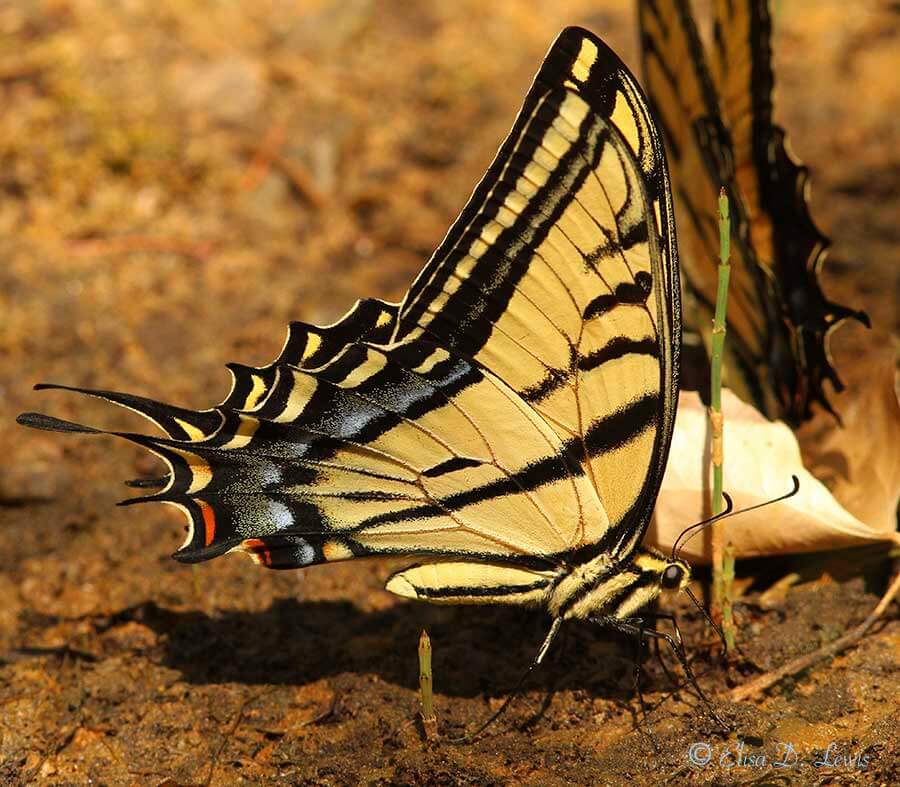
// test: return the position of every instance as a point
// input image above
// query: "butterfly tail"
(234, 497)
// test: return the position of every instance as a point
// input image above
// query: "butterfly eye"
(672, 576)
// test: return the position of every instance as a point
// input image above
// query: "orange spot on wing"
(335, 550)
(258, 549)
(209, 522)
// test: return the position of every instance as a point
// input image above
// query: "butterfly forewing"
(560, 275)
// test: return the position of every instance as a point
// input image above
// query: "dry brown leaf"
(760, 458)
(860, 463)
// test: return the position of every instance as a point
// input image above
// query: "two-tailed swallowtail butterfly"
(716, 119)
(507, 424)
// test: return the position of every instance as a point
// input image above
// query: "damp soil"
(179, 181)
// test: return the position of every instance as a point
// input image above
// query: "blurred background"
(180, 179)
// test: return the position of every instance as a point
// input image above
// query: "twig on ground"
(261, 162)
(325, 714)
(763, 682)
(269, 155)
(302, 182)
(19, 67)
(238, 717)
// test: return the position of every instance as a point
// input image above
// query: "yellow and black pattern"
(510, 420)
(560, 276)
(716, 116)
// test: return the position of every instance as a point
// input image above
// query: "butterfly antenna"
(538, 660)
(689, 532)
(694, 529)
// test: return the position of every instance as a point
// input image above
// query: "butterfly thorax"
(601, 588)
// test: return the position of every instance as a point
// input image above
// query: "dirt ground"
(178, 181)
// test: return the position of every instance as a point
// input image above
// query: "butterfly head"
(648, 575)
(662, 574)
(675, 576)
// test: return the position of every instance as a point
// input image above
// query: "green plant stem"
(723, 563)
(728, 627)
(429, 720)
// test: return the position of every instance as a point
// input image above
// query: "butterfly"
(507, 425)
(716, 113)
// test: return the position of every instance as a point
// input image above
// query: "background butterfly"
(715, 109)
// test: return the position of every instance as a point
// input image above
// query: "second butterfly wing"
(717, 120)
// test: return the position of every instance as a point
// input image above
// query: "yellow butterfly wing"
(561, 277)
(716, 116)
(514, 410)
(774, 191)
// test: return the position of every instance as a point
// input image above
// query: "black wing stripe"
(603, 436)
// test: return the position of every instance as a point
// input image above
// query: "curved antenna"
(689, 532)
(729, 507)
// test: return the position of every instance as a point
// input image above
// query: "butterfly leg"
(538, 660)
(558, 657)
(634, 627)
(638, 672)
(678, 650)
(658, 653)
(670, 616)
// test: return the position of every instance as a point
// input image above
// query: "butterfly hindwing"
(309, 346)
(368, 453)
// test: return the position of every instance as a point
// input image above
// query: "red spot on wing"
(259, 550)
(209, 522)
